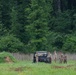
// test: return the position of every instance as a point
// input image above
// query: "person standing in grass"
(34, 58)
(55, 56)
(61, 57)
(65, 58)
(49, 57)
(36, 55)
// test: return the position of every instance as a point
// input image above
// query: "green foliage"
(70, 44)
(18, 19)
(6, 54)
(11, 44)
(62, 23)
(6, 17)
(37, 24)
(55, 41)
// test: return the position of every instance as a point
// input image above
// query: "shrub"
(6, 54)
(11, 44)
(70, 44)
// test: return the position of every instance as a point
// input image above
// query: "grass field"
(29, 68)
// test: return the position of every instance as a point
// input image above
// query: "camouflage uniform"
(55, 56)
(36, 55)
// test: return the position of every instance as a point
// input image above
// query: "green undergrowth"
(6, 54)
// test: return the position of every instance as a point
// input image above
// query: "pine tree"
(38, 24)
(6, 18)
(19, 19)
(1, 24)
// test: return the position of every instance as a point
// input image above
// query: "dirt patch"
(56, 67)
(69, 65)
(17, 69)
(20, 68)
(8, 59)
(63, 67)
(75, 69)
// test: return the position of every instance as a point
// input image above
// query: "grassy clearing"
(29, 68)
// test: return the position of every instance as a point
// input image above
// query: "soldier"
(65, 58)
(36, 55)
(34, 58)
(49, 57)
(61, 57)
(55, 56)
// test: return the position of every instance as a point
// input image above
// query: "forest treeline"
(33, 25)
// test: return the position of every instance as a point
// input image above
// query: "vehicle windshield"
(41, 53)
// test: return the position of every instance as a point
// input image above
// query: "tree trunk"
(59, 6)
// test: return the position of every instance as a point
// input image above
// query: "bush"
(11, 44)
(6, 54)
(70, 44)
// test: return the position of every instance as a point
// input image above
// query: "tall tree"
(59, 5)
(38, 24)
(6, 18)
(19, 19)
(2, 29)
